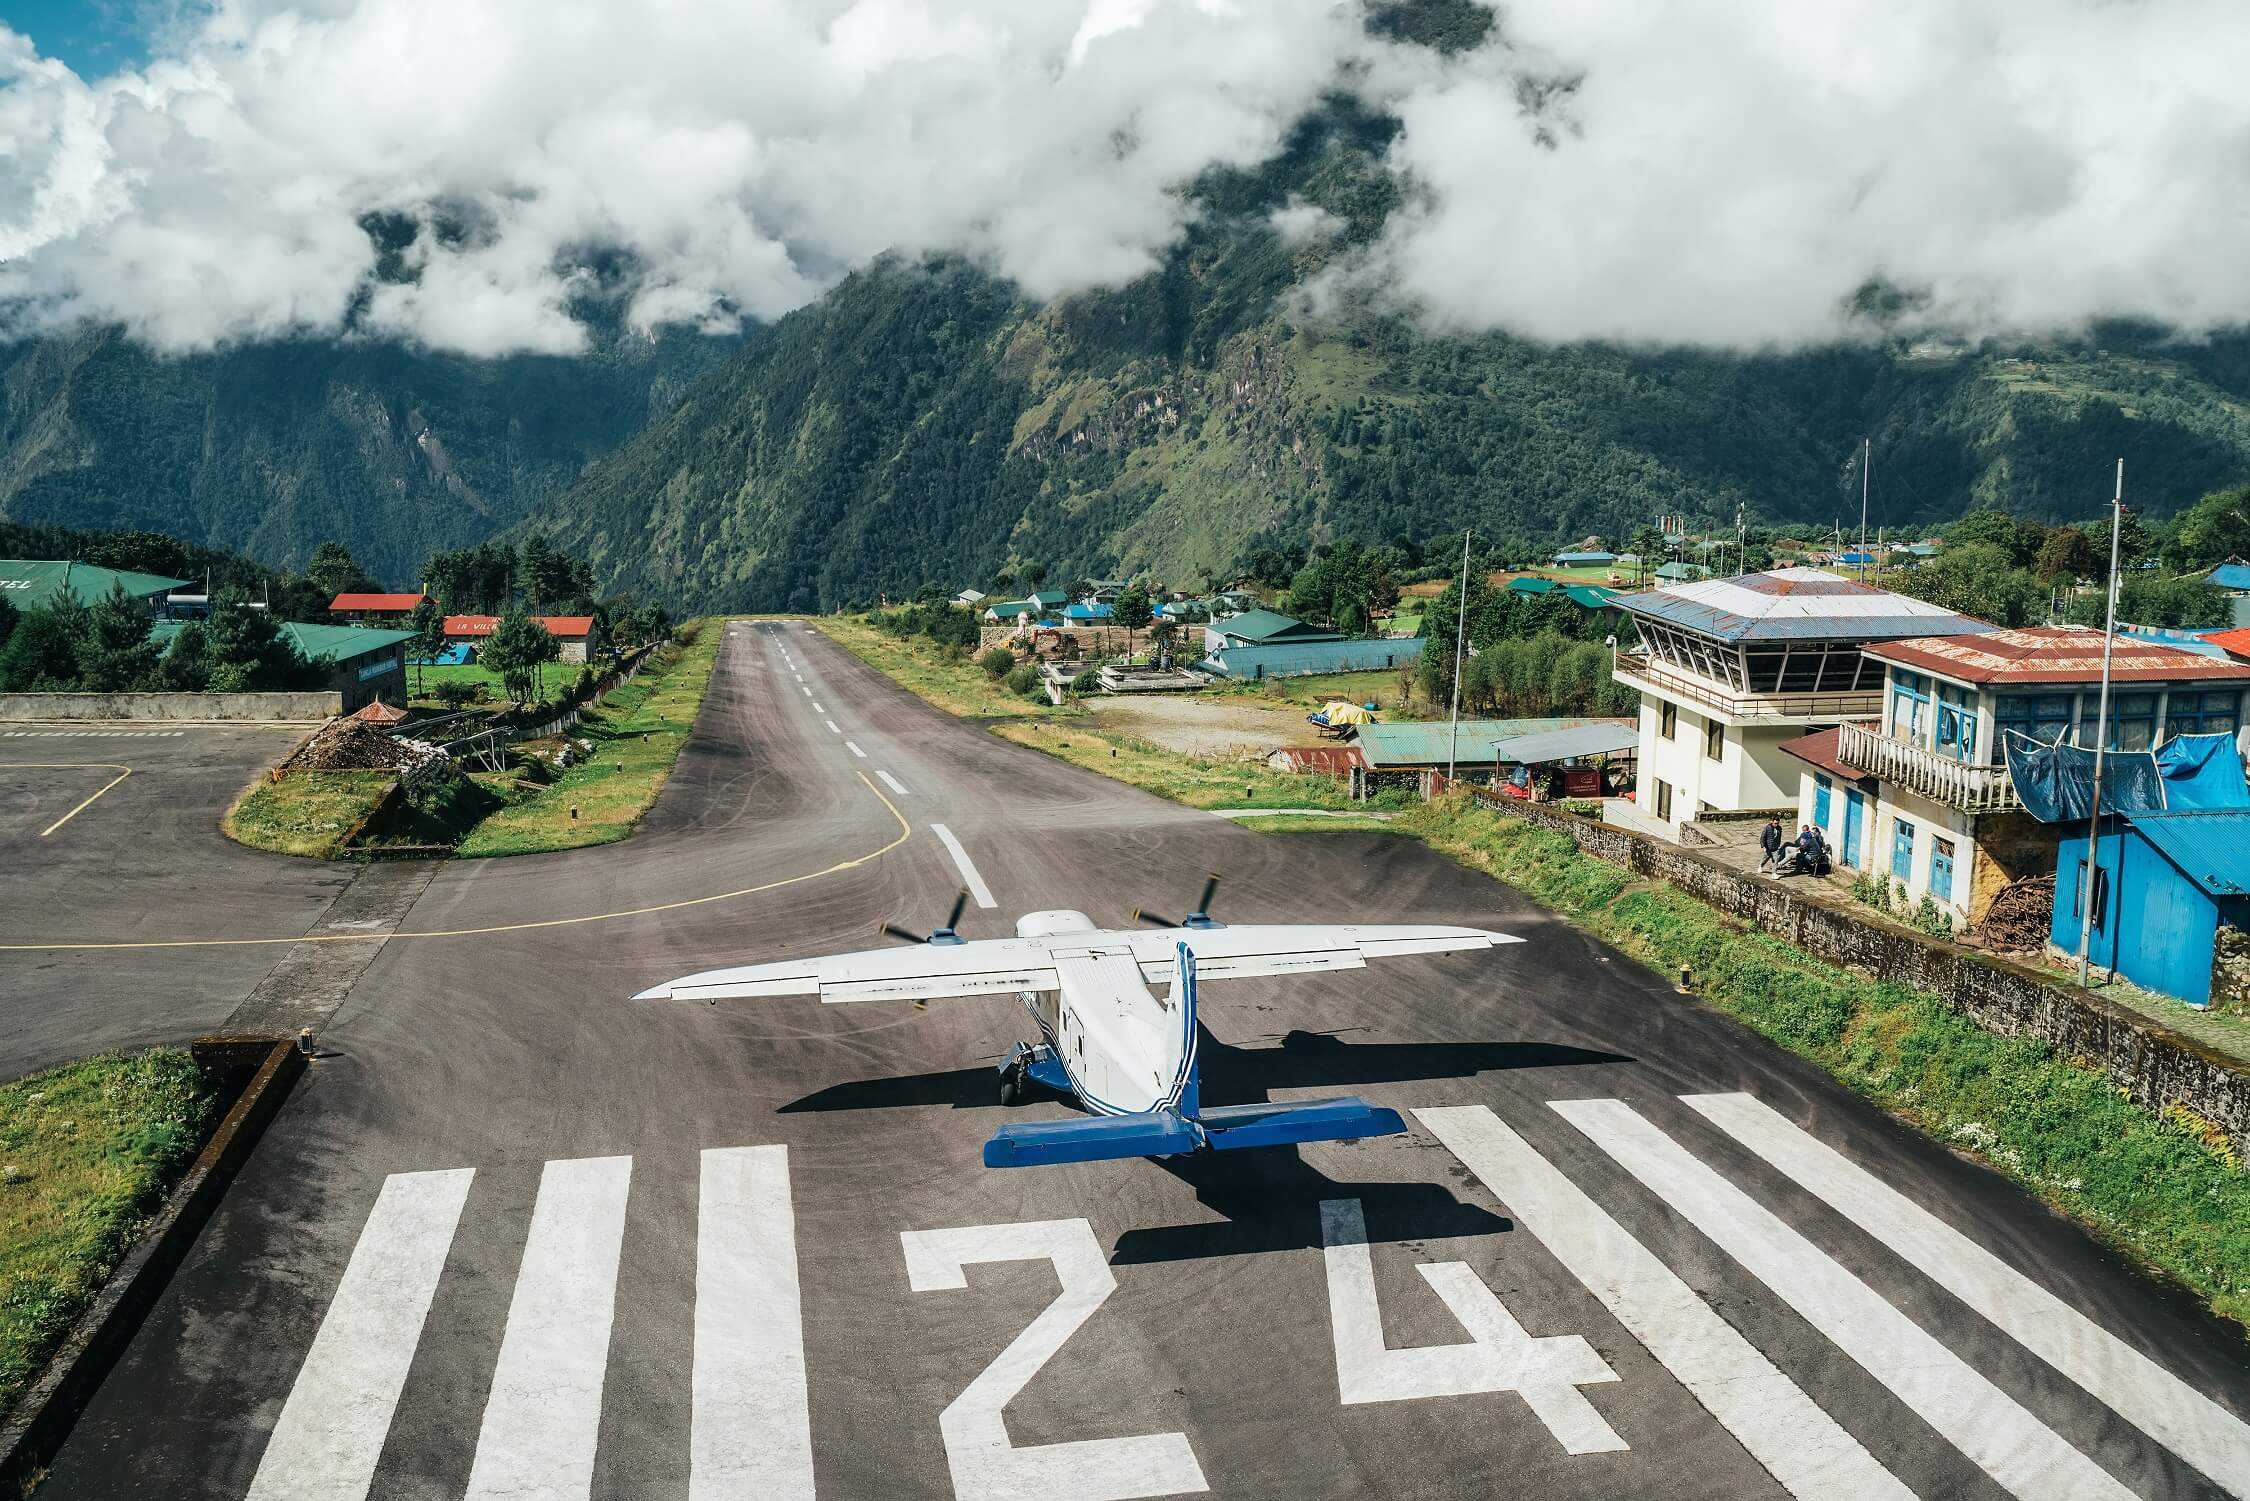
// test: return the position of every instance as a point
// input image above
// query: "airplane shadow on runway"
(1271, 1198)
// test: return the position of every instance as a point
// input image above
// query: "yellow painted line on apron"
(905, 832)
(122, 773)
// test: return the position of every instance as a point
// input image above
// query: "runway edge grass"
(953, 683)
(2164, 1188)
(637, 730)
(87, 1152)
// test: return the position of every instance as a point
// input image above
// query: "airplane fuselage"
(1124, 1048)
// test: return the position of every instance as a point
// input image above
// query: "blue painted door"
(1902, 850)
(1941, 869)
(1855, 814)
(1820, 806)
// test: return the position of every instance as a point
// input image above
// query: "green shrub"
(1087, 681)
(1024, 681)
(455, 694)
(997, 661)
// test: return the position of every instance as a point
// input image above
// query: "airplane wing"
(912, 972)
(1252, 950)
(998, 966)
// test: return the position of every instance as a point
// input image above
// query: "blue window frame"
(2044, 717)
(2132, 719)
(1941, 868)
(1956, 729)
(1902, 850)
(1822, 789)
(2210, 713)
(1910, 706)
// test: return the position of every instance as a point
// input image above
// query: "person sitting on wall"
(1809, 854)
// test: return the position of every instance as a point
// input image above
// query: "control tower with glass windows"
(1729, 669)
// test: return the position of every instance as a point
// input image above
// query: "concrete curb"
(43, 1417)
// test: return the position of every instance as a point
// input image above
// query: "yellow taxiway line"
(122, 773)
(905, 832)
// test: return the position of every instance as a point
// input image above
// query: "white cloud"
(743, 155)
(1725, 174)
(1731, 174)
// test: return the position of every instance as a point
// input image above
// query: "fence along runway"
(750, 1429)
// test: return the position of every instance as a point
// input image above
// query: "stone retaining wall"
(262, 708)
(2155, 1066)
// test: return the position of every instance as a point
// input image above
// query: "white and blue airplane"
(1124, 1052)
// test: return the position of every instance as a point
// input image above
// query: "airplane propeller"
(950, 933)
(1199, 918)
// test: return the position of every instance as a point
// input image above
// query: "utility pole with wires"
(1866, 464)
(2086, 882)
(1460, 640)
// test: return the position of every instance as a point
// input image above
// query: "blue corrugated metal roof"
(2232, 576)
(1568, 558)
(2195, 641)
(2210, 846)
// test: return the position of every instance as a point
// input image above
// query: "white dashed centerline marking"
(977, 888)
(855, 750)
(832, 727)
(893, 783)
(818, 707)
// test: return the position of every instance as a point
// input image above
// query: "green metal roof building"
(29, 584)
(363, 662)
(1265, 628)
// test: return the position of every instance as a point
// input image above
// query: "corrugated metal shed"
(1560, 745)
(1287, 659)
(2211, 847)
(315, 643)
(1529, 585)
(1591, 596)
(1392, 747)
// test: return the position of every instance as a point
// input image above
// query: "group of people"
(1807, 854)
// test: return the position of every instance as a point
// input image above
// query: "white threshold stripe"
(752, 1430)
(330, 1434)
(832, 727)
(2022, 1454)
(961, 862)
(2161, 1405)
(893, 783)
(1769, 1414)
(855, 750)
(545, 1410)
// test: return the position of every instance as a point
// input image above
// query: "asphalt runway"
(517, 1236)
(144, 860)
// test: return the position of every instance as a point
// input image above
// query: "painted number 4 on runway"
(1498, 1356)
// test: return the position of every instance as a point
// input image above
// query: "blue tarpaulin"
(2056, 782)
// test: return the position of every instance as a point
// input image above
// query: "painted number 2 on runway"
(986, 1465)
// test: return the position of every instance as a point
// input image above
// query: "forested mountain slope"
(921, 423)
(271, 449)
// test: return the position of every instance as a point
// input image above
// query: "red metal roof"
(379, 712)
(566, 626)
(2235, 642)
(1819, 749)
(383, 604)
(2053, 654)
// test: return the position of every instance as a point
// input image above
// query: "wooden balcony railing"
(1958, 784)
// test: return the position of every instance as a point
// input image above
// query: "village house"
(1729, 670)
(376, 609)
(1922, 796)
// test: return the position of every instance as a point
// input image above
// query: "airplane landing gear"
(1012, 1082)
(1021, 1070)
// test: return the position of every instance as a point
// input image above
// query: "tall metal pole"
(2101, 740)
(1866, 462)
(1460, 640)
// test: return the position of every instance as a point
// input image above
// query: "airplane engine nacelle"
(1047, 924)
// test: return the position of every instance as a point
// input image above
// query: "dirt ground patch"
(1202, 726)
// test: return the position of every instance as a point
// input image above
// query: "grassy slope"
(86, 1152)
(306, 812)
(1197, 781)
(1380, 688)
(956, 685)
(637, 731)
